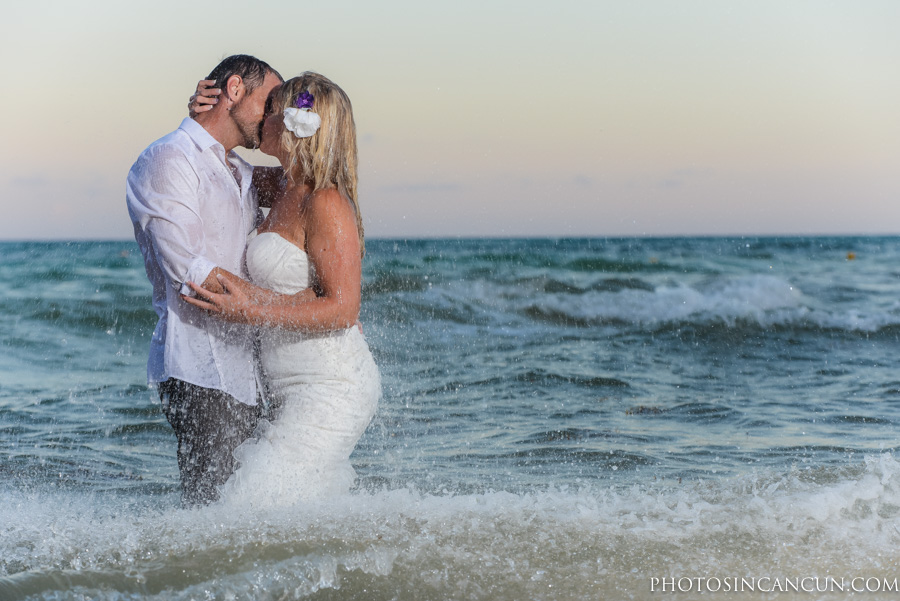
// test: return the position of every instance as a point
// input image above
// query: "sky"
(487, 117)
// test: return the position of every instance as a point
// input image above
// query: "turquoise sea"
(609, 418)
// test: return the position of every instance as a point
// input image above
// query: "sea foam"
(551, 543)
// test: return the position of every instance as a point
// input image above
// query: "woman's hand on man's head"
(204, 98)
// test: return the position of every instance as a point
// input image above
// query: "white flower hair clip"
(300, 119)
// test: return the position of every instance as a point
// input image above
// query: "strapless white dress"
(324, 389)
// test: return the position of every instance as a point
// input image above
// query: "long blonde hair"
(328, 158)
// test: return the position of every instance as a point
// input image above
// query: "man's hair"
(250, 69)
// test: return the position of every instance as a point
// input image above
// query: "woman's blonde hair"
(328, 158)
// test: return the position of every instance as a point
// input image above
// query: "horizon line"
(517, 237)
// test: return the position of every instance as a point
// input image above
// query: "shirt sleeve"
(163, 195)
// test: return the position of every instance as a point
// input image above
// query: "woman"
(324, 384)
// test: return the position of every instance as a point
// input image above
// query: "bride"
(324, 384)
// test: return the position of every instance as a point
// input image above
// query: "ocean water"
(562, 419)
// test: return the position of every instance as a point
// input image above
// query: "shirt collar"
(204, 140)
(199, 135)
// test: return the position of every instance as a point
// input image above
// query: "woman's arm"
(332, 244)
(242, 294)
(203, 98)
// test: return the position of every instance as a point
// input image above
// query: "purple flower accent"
(304, 101)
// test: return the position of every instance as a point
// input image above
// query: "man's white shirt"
(191, 215)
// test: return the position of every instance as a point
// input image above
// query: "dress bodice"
(278, 264)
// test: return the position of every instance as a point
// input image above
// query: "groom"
(192, 203)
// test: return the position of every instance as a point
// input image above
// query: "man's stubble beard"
(249, 130)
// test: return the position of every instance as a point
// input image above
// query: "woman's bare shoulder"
(331, 222)
(330, 205)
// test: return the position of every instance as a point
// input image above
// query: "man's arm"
(269, 183)
(163, 197)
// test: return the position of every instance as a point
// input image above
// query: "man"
(192, 203)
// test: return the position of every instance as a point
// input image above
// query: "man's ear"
(234, 88)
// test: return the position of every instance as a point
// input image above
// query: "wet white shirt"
(193, 207)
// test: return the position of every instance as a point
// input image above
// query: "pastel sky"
(487, 117)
